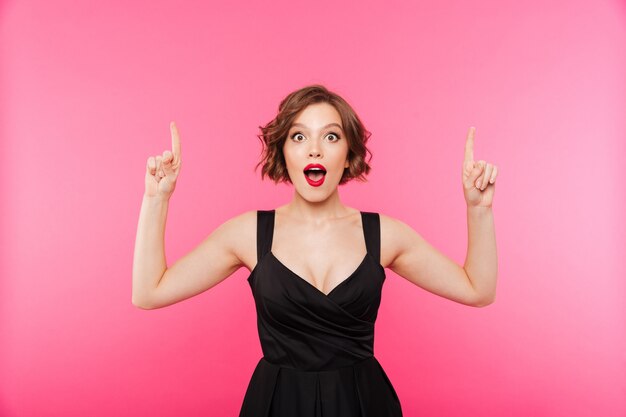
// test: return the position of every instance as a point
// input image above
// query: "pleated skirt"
(359, 390)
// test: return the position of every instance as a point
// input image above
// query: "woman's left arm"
(412, 257)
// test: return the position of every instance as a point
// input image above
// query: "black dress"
(318, 349)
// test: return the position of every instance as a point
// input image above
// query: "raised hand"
(479, 178)
(162, 170)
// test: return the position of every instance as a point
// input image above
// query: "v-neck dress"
(318, 349)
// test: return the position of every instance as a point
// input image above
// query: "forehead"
(317, 115)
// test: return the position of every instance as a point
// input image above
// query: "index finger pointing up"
(175, 142)
(469, 145)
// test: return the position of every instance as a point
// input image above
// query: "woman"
(317, 266)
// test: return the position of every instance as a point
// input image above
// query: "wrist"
(479, 209)
(155, 199)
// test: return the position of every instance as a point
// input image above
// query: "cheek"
(291, 157)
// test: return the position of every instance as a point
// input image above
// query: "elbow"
(142, 306)
(140, 303)
(484, 301)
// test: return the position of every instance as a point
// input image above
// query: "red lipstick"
(315, 168)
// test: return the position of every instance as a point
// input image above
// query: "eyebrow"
(325, 127)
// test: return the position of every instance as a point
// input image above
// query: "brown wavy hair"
(274, 134)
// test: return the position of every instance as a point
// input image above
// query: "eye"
(293, 136)
(337, 137)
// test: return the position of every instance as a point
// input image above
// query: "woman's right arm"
(154, 284)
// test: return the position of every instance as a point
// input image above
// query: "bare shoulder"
(243, 221)
(391, 224)
(394, 237)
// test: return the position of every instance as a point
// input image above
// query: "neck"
(330, 208)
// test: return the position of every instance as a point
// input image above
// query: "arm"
(155, 285)
(473, 284)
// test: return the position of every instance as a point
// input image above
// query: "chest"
(323, 256)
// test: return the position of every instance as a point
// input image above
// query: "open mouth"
(314, 174)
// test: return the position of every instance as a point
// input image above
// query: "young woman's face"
(316, 137)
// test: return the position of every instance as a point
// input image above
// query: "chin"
(315, 194)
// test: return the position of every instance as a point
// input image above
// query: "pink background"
(87, 91)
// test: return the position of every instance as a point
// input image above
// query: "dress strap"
(264, 232)
(371, 229)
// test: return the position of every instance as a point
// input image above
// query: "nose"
(315, 151)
